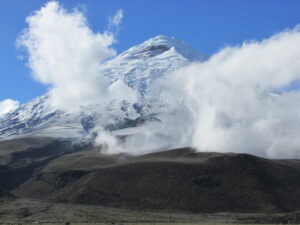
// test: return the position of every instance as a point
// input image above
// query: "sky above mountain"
(208, 26)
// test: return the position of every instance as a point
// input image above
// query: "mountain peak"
(161, 39)
(160, 44)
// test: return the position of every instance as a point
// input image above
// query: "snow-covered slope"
(137, 68)
(142, 64)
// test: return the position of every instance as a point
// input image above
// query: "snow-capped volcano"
(142, 64)
(134, 69)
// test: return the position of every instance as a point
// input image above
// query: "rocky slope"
(179, 179)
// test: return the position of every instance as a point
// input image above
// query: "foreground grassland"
(45, 223)
(30, 211)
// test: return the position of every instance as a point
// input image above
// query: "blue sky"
(206, 25)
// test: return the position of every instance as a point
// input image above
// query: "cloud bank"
(240, 99)
(66, 54)
(7, 106)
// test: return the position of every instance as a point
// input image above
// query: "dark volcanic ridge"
(179, 179)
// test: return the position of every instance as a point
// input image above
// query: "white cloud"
(66, 54)
(233, 101)
(7, 106)
(115, 21)
(117, 18)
